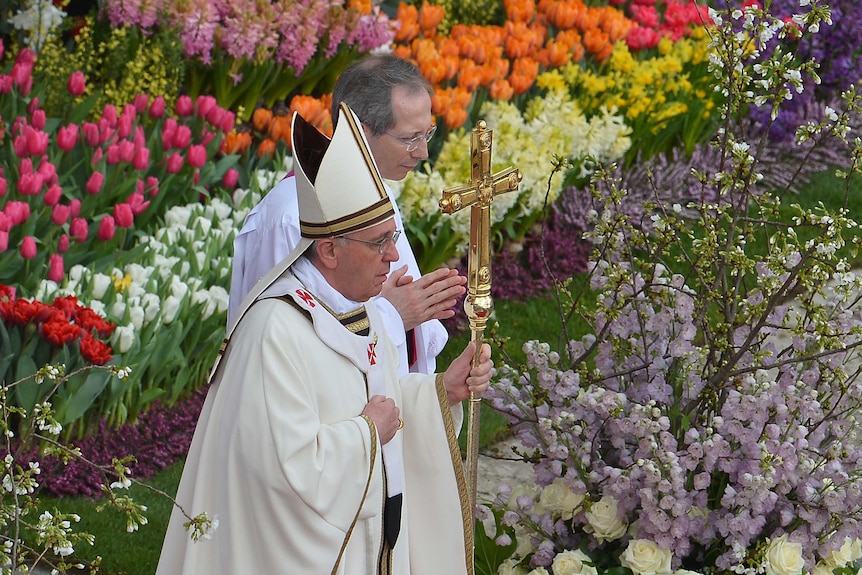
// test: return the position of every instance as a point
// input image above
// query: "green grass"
(536, 318)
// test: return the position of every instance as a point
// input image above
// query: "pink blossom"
(184, 106)
(204, 104)
(228, 121)
(60, 214)
(37, 141)
(63, 244)
(48, 171)
(17, 212)
(30, 184)
(94, 183)
(106, 129)
(125, 123)
(197, 156)
(106, 228)
(175, 163)
(157, 108)
(28, 248)
(52, 196)
(5, 222)
(55, 268)
(4, 241)
(76, 84)
(137, 203)
(182, 137)
(141, 103)
(5, 83)
(67, 137)
(123, 215)
(230, 179)
(127, 151)
(109, 115)
(216, 116)
(91, 134)
(75, 205)
(2, 186)
(152, 186)
(141, 160)
(22, 75)
(97, 156)
(37, 119)
(79, 230)
(112, 155)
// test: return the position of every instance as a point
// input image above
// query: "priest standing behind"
(310, 451)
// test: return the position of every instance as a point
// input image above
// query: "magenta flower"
(48, 171)
(230, 179)
(30, 184)
(182, 137)
(123, 216)
(106, 228)
(60, 214)
(141, 161)
(197, 156)
(2, 186)
(17, 212)
(55, 268)
(67, 137)
(77, 83)
(4, 240)
(157, 108)
(184, 106)
(91, 134)
(79, 230)
(38, 119)
(63, 244)
(137, 203)
(75, 205)
(127, 151)
(94, 184)
(204, 104)
(175, 163)
(52, 196)
(152, 186)
(141, 103)
(28, 248)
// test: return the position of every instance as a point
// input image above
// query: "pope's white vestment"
(295, 475)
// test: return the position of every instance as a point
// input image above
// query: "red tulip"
(231, 177)
(94, 183)
(142, 158)
(123, 215)
(67, 137)
(55, 268)
(157, 108)
(63, 244)
(197, 156)
(106, 228)
(175, 163)
(76, 84)
(184, 106)
(60, 214)
(28, 248)
(79, 230)
(53, 195)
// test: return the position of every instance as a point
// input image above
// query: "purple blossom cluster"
(289, 32)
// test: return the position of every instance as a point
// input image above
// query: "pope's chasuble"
(295, 476)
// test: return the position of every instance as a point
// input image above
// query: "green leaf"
(77, 402)
(27, 392)
(489, 555)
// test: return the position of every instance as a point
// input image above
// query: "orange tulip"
(279, 128)
(403, 51)
(236, 142)
(455, 117)
(519, 10)
(524, 72)
(260, 119)
(469, 76)
(408, 20)
(430, 17)
(554, 55)
(564, 14)
(596, 42)
(361, 6)
(616, 25)
(501, 90)
(266, 148)
(314, 110)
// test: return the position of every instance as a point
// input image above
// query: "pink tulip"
(28, 248)
(182, 137)
(205, 103)
(168, 137)
(5, 222)
(60, 214)
(79, 230)
(30, 184)
(67, 137)
(4, 241)
(197, 156)
(53, 195)
(22, 74)
(140, 138)
(137, 203)
(142, 158)
(48, 171)
(231, 177)
(26, 166)
(184, 106)
(76, 84)
(106, 228)
(152, 186)
(94, 183)
(215, 116)
(157, 108)
(123, 215)
(1, 49)
(127, 151)
(75, 206)
(5, 83)
(55, 268)
(175, 163)
(91, 134)
(109, 114)
(37, 141)
(97, 155)
(141, 102)
(207, 137)
(2, 186)
(63, 244)
(125, 123)
(17, 212)
(228, 122)
(106, 129)
(37, 120)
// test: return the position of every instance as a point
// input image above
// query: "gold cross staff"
(478, 194)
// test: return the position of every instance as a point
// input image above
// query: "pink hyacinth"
(77, 83)
(106, 228)
(28, 248)
(55, 268)
(94, 183)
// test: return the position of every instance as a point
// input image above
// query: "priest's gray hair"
(366, 86)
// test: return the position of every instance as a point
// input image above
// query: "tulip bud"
(175, 163)
(60, 214)
(197, 156)
(79, 230)
(55, 268)
(184, 106)
(123, 215)
(75, 206)
(94, 183)
(63, 244)
(157, 109)
(91, 134)
(67, 137)
(76, 84)
(106, 228)
(141, 160)
(28, 248)
(141, 102)
(182, 137)
(230, 179)
(53, 195)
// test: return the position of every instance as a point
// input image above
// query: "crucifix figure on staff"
(478, 194)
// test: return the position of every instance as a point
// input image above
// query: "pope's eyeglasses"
(413, 143)
(381, 245)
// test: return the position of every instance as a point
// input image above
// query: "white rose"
(573, 563)
(604, 521)
(559, 499)
(784, 557)
(849, 552)
(510, 567)
(643, 556)
(821, 569)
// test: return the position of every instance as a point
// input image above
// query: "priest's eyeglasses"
(381, 245)
(413, 143)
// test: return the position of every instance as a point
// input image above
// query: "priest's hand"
(430, 297)
(385, 415)
(462, 379)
